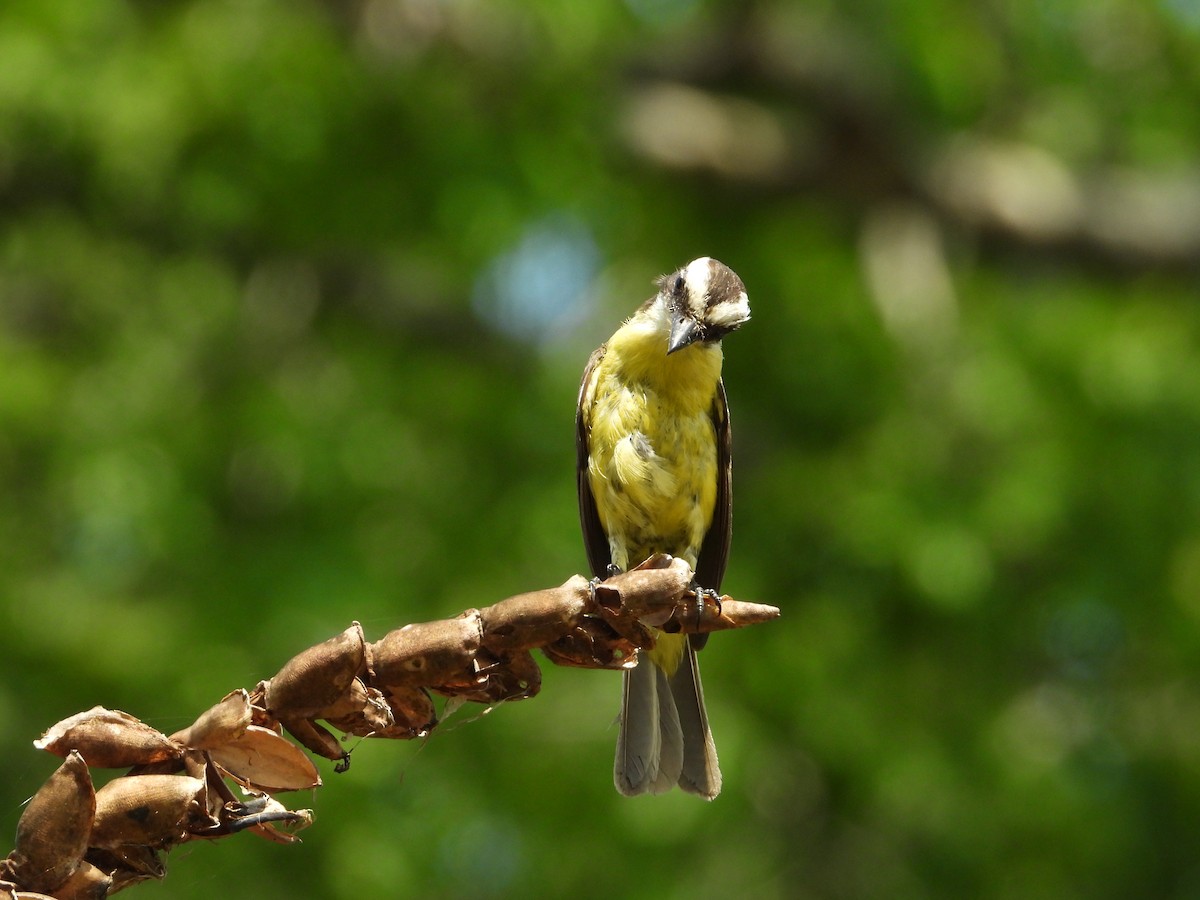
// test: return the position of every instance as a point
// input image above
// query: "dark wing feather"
(714, 551)
(595, 541)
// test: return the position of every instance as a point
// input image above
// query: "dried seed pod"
(317, 677)
(109, 739)
(147, 811)
(533, 619)
(693, 616)
(647, 593)
(594, 645)
(496, 680)
(429, 654)
(128, 865)
(196, 765)
(219, 724)
(376, 713)
(268, 761)
(88, 883)
(351, 702)
(412, 708)
(361, 711)
(412, 714)
(52, 833)
(516, 677)
(318, 739)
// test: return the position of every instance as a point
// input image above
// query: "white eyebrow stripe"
(730, 312)
(696, 276)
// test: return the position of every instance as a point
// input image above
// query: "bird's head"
(705, 299)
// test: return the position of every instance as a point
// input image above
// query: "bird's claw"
(705, 595)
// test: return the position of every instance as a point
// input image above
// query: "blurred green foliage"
(294, 298)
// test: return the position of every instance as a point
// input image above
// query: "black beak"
(684, 330)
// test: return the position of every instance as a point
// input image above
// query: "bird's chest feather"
(652, 465)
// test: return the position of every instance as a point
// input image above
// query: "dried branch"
(74, 841)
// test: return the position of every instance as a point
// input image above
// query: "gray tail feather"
(664, 738)
(701, 774)
(650, 744)
(670, 759)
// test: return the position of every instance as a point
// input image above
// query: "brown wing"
(714, 551)
(595, 541)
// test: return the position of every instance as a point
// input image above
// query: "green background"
(294, 299)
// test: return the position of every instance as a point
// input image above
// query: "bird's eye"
(679, 284)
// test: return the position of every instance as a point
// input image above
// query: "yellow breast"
(652, 463)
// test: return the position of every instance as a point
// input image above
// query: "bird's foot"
(705, 595)
(595, 582)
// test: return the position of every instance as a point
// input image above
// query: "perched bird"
(652, 439)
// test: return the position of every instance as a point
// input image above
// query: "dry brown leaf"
(428, 654)
(268, 761)
(219, 724)
(109, 739)
(147, 811)
(88, 883)
(52, 834)
(316, 678)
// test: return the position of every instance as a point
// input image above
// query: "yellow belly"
(652, 469)
(653, 474)
(652, 449)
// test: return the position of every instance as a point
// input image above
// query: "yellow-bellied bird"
(652, 436)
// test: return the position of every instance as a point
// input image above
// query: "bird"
(654, 476)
